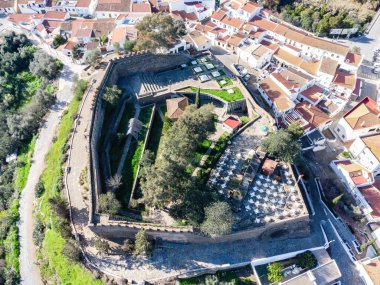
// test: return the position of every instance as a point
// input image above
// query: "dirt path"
(30, 273)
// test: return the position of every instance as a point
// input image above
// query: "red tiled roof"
(219, 15)
(314, 116)
(263, 23)
(353, 59)
(345, 79)
(312, 93)
(55, 15)
(250, 7)
(371, 194)
(232, 122)
(355, 171)
(364, 115)
(233, 22)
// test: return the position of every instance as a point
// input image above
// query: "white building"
(196, 40)
(76, 7)
(8, 7)
(33, 6)
(366, 150)
(361, 120)
(256, 55)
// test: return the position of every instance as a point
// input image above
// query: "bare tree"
(114, 182)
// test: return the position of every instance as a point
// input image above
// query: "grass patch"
(25, 161)
(132, 160)
(223, 94)
(54, 263)
(219, 146)
(228, 82)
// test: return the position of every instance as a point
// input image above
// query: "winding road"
(30, 274)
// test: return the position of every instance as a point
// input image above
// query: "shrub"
(306, 260)
(101, 245)
(336, 200)
(143, 246)
(108, 204)
(275, 272)
(129, 246)
(71, 250)
(38, 232)
(39, 189)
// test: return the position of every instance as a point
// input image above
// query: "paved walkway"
(29, 271)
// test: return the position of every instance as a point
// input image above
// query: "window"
(371, 130)
(338, 130)
(343, 136)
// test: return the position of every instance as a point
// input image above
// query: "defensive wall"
(117, 227)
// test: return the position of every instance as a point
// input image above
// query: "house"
(256, 55)
(26, 21)
(352, 174)
(366, 150)
(8, 7)
(112, 8)
(369, 269)
(176, 107)
(361, 120)
(352, 62)
(192, 10)
(232, 123)
(327, 71)
(370, 201)
(344, 83)
(198, 41)
(79, 8)
(34, 6)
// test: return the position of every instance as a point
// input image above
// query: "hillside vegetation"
(321, 16)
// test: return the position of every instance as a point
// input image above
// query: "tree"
(336, 200)
(59, 40)
(103, 39)
(306, 260)
(108, 204)
(275, 272)
(282, 146)
(157, 31)
(129, 45)
(295, 130)
(77, 52)
(364, 246)
(116, 47)
(93, 57)
(356, 49)
(114, 182)
(44, 65)
(218, 221)
(143, 246)
(112, 95)
(270, 4)
(38, 232)
(101, 245)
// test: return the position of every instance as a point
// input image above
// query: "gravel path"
(30, 273)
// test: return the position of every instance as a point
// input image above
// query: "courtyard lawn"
(132, 161)
(223, 94)
(155, 134)
(228, 82)
(118, 146)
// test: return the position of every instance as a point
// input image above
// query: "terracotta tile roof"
(176, 107)
(7, 3)
(256, 34)
(233, 22)
(276, 94)
(40, 28)
(236, 39)
(266, 12)
(217, 31)
(219, 15)
(55, 15)
(233, 122)
(121, 6)
(284, 56)
(371, 194)
(373, 143)
(250, 7)
(329, 65)
(281, 29)
(364, 115)
(313, 93)
(198, 39)
(24, 18)
(325, 45)
(298, 79)
(313, 115)
(185, 16)
(311, 67)
(353, 59)
(270, 45)
(295, 35)
(263, 23)
(69, 45)
(345, 79)
(259, 51)
(119, 34)
(141, 8)
(50, 25)
(373, 270)
(83, 3)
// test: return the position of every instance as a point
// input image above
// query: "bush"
(108, 204)
(143, 246)
(306, 260)
(129, 246)
(39, 189)
(38, 232)
(275, 272)
(71, 251)
(101, 245)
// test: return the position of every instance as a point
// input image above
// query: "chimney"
(362, 124)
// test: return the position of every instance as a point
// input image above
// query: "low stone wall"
(298, 227)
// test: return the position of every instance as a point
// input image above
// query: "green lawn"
(117, 147)
(25, 161)
(132, 160)
(57, 264)
(223, 94)
(227, 79)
